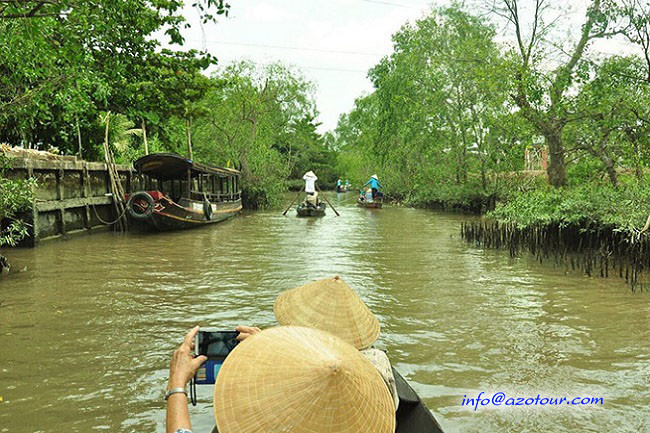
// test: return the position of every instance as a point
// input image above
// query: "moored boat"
(180, 193)
(374, 204)
(304, 210)
(412, 415)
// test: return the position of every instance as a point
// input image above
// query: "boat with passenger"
(180, 193)
(309, 210)
(365, 199)
(370, 204)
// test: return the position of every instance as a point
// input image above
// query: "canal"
(87, 325)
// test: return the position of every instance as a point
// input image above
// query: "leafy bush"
(15, 195)
(589, 203)
(583, 171)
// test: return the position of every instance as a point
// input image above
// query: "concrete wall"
(70, 195)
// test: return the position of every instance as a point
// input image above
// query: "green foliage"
(71, 60)
(611, 106)
(438, 116)
(15, 195)
(261, 120)
(453, 112)
(584, 205)
(64, 64)
(308, 150)
(121, 134)
(587, 170)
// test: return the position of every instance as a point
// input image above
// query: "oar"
(294, 200)
(328, 202)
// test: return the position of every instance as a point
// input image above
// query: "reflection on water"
(87, 326)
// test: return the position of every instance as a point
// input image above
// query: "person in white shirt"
(310, 188)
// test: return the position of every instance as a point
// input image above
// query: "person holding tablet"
(288, 378)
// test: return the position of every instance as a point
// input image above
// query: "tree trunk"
(245, 169)
(463, 158)
(483, 175)
(188, 126)
(611, 170)
(243, 158)
(557, 167)
(606, 159)
(637, 162)
(144, 137)
(78, 134)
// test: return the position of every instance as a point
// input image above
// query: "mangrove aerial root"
(591, 249)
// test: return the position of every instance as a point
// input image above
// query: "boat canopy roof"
(167, 166)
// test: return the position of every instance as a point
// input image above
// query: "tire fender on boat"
(207, 210)
(141, 195)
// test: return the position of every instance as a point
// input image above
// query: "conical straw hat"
(300, 380)
(330, 305)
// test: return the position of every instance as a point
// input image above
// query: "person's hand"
(246, 331)
(183, 365)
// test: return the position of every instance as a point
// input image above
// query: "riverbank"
(295, 185)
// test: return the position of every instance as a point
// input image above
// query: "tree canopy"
(457, 108)
(61, 62)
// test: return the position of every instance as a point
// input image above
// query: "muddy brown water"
(87, 325)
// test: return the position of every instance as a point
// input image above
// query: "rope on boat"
(87, 181)
(104, 222)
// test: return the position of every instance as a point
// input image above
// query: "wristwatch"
(175, 391)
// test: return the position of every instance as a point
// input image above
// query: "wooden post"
(59, 184)
(115, 181)
(60, 193)
(85, 185)
(189, 184)
(35, 226)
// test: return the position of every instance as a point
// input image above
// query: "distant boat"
(374, 204)
(180, 193)
(304, 210)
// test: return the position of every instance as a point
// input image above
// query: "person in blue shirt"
(374, 185)
(338, 185)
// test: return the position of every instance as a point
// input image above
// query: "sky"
(333, 42)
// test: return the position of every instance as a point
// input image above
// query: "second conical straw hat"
(292, 379)
(330, 305)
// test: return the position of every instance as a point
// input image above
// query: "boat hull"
(308, 211)
(370, 205)
(168, 216)
(412, 415)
